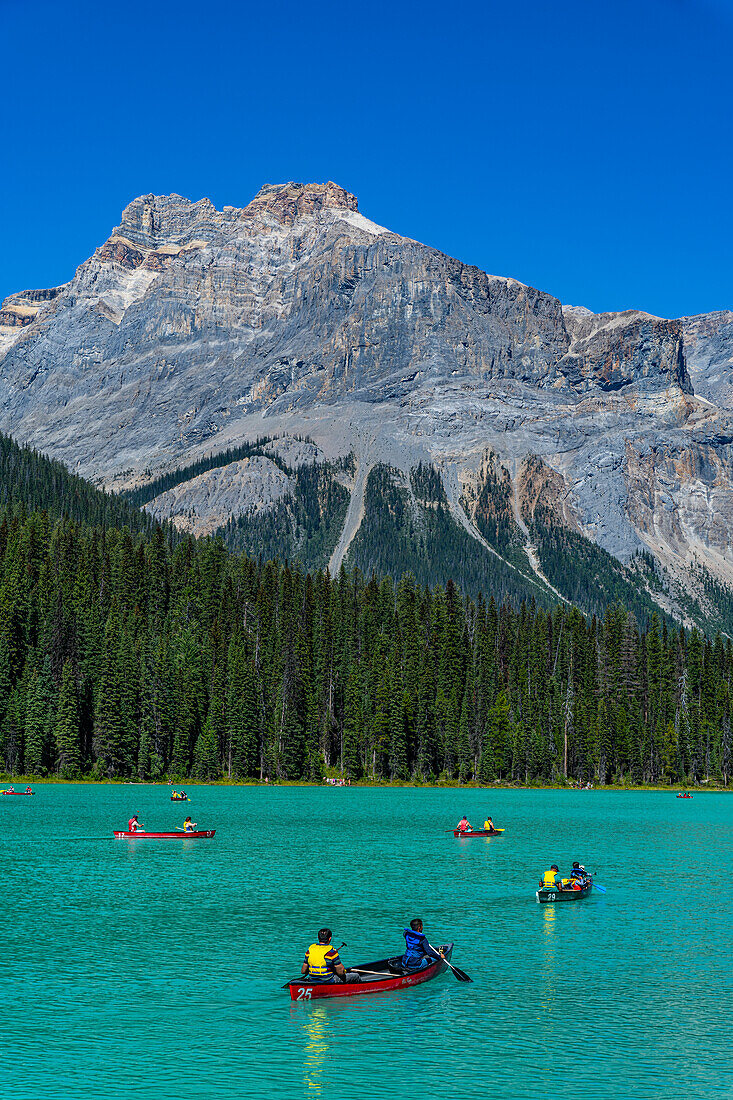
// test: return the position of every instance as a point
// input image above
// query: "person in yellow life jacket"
(550, 879)
(189, 826)
(322, 962)
(489, 825)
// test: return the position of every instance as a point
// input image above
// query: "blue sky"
(582, 148)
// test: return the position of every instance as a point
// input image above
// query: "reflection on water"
(549, 961)
(316, 1028)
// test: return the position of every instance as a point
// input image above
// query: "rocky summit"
(535, 436)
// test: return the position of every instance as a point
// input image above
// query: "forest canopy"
(126, 654)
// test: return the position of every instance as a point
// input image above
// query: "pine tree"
(206, 752)
(353, 724)
(67, 727)
(243, 719)
(39, 721)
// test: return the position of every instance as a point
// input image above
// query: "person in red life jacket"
(28, 790)
(464, 825)
(418, 953)
(133, 826)
(322, 963)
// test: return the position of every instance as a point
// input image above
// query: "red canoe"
(479, 832)
(18, 792)
(386, 974)
(186, 799)
(164, 836)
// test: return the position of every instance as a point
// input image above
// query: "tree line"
(129, 654)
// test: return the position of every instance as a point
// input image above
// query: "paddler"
(489, 826)
(28, 790)
(549, 879)
(189, 826)
(133, 825)
(418, 951)
(464, 825)
(322, 963)
(175, 794)
(578, 877)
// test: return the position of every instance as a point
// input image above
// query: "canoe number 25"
(303, 995)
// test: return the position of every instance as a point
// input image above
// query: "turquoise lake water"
(154, 970)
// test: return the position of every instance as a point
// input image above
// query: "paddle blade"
(460, 975)
(597, 887)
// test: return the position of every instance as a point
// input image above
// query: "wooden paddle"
(460, 975)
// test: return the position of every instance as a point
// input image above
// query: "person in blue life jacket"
(578, 874)
(419, 953)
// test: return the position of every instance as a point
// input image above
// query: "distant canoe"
(18, 792)
(679, 795)
(186, 799)
(140, 835)
(385, 974)
(554, 894)
(479, 832)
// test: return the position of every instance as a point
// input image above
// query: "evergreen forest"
(126, 655)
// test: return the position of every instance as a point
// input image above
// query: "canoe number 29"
(303, 995)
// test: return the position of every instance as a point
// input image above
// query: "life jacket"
(320, 958)
(132, 825)
(415, 944)
(463, 825)
(188, 827)
(548, 879)
(488, 825)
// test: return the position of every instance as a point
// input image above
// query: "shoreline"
(363, 784)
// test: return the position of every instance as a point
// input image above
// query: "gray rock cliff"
(192, 329)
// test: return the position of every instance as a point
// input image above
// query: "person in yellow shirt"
(550, 879)
(489, 826)
(322, 963)
(189, 826)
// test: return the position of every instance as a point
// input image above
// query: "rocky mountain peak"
(288, 201)
(152, 219)
(192, 325)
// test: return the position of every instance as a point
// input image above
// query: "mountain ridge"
(191, 330)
